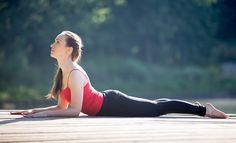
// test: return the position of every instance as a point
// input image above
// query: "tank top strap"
(74, 70)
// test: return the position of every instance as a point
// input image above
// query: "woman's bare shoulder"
(82, 71)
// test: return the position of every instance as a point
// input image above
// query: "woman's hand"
(25, 112)
(28, 112)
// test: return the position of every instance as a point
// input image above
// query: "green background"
(151, 48)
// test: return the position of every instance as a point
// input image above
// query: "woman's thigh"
(117, 103)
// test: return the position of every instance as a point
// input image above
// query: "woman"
(72, 87)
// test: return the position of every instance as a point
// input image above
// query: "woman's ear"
(69, 50)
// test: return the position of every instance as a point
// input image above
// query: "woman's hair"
(74, 41)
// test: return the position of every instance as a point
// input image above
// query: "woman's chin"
(51, 55)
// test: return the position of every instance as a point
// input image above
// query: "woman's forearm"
(57, 113)
(55, 107)
(63, 112)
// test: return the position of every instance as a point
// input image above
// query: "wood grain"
(169, 128)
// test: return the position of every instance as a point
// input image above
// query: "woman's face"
(59, 48)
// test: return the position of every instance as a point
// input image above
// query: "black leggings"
(116, 103)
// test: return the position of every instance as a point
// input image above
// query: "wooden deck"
(169, 128)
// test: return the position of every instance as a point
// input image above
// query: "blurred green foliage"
(140, 47)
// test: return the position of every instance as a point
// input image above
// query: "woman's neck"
(66, 65)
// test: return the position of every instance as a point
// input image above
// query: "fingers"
(22, 112)
(17, 113)
(27, 112)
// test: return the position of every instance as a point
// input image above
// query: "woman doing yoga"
(72, 87)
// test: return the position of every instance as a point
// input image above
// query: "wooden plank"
(168, 128)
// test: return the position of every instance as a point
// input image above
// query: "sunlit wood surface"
(169, 128)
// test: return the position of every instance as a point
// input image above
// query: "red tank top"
(92, 99)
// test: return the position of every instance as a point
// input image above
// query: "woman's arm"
(61, 105)
(76, 83)
(35, 110)
(56, 113)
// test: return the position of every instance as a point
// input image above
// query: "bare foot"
(197, 103)
(212, 112)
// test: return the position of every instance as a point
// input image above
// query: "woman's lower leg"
(179, 106)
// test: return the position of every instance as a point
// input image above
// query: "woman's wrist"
(41, 114)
